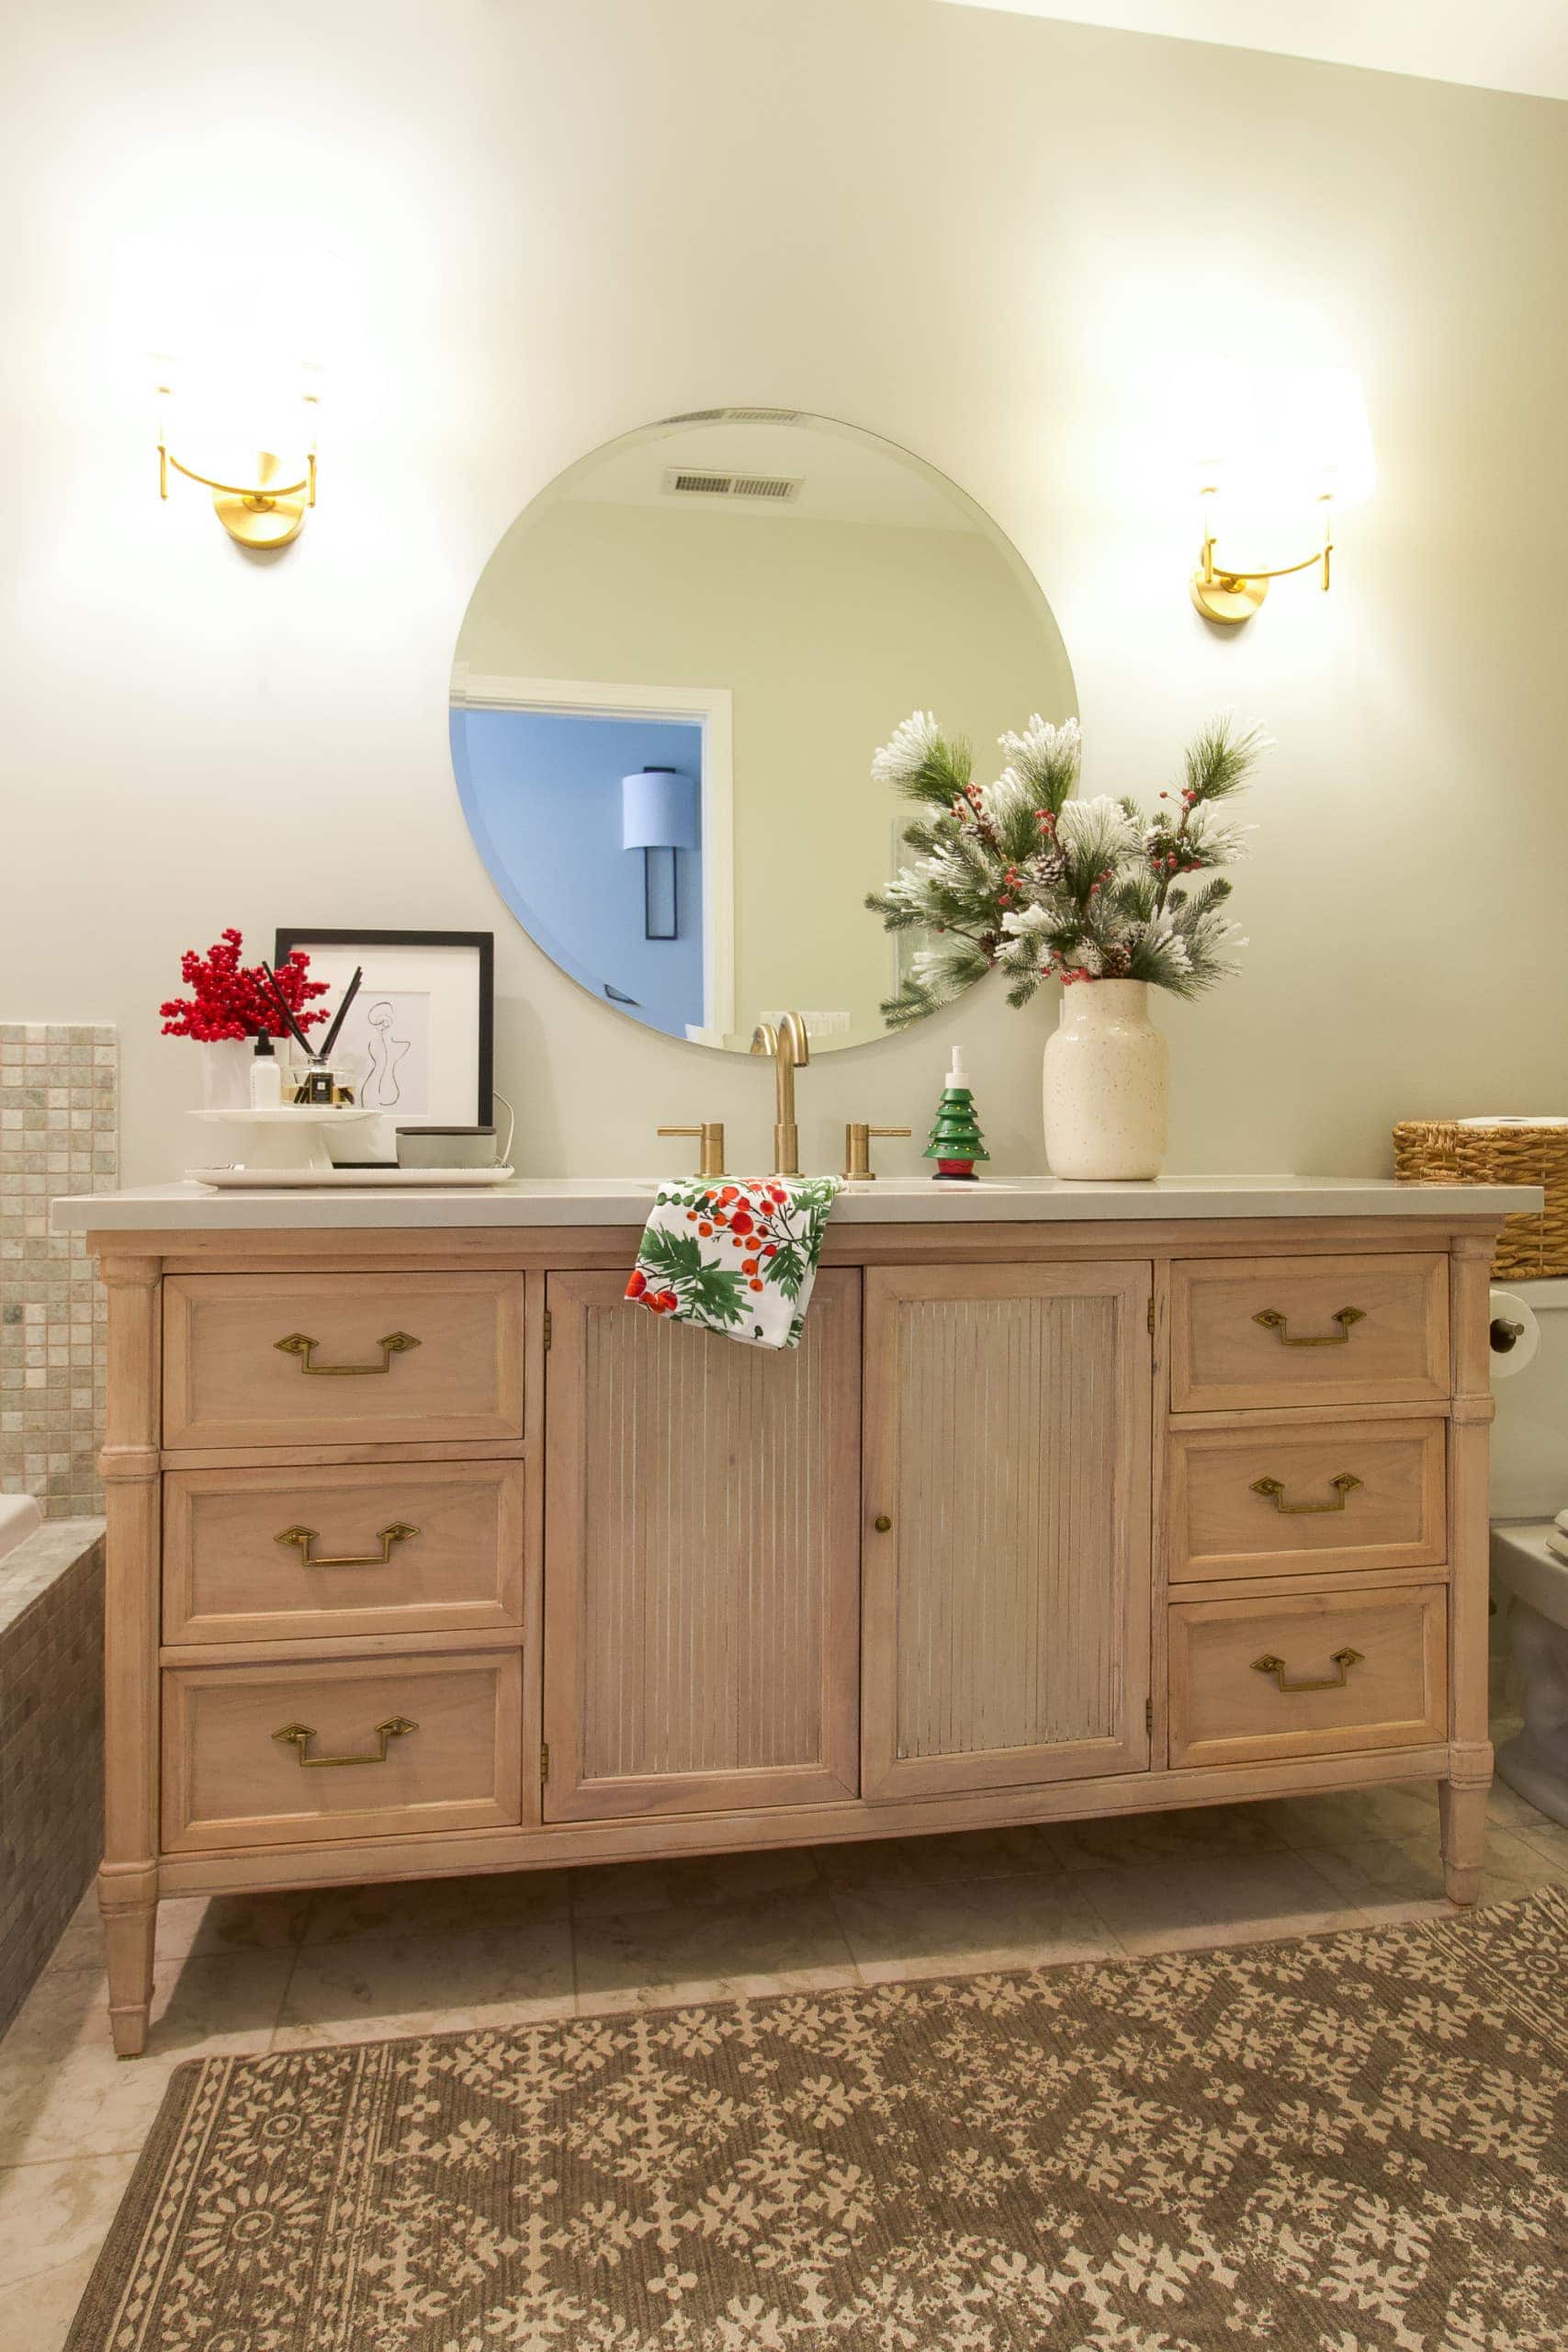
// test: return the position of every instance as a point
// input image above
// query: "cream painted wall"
(826, 634)
(992, 239)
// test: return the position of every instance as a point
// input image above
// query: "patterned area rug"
(1356, 2142)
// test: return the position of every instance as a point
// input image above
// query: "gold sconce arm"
(1229, 594)
(264, 513)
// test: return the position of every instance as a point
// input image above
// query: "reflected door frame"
(711, 708)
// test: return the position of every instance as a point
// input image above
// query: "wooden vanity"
(427, 1554)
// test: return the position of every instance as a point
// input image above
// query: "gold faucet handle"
(858, 1168)
(710, 1136)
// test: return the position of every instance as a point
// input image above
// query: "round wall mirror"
(668, 686)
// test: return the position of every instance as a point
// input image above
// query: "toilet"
(1529, 1487)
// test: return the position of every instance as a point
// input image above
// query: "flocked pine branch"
(1020, 876)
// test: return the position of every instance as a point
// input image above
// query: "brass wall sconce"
(1286, 440)
(265, 512)
(1224, 593)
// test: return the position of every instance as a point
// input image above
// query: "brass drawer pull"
(303, 1537)
(1273, 1491)
(1272, 1320)
(882, 1523)
(299, 1735)
(396, 1343)
(1343, 1659)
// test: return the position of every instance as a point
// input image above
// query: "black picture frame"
(307, 935)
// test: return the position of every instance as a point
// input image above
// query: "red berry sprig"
(232, 999)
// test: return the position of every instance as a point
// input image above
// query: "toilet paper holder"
(1513, 1334)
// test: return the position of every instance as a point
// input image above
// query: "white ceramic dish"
(345, 1179)
(298, 1135)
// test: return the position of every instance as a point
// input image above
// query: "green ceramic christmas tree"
(955, 1142)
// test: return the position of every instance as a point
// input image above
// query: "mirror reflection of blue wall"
(542, 793)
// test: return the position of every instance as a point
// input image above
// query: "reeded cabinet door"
(1007, 1597)
(703, 1541)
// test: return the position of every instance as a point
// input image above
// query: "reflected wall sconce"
(658, 811)
(261, 499)
(1284, 444)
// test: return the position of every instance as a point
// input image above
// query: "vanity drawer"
(418, 1547)
(1274, 1332)
(450, 1728)
(325, 1359)
(1255, 1681)
(1281, 1496)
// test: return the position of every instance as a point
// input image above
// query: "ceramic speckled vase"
(1107, 1084)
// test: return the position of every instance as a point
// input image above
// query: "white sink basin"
(926, 1188)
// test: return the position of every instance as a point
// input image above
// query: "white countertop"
(625, 1200)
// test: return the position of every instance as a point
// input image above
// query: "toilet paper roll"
(1515, 1334)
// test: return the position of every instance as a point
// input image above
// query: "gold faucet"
(790, 1050)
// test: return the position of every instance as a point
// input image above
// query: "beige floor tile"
(1518, 1860)
(1346, 1817)
(600, 1887)
(81, 1944)
(437, 1906)
(195, 1926)
(53, 2216)
(62, 2091)
(954, 1856)
(211, 2008)
(372, 1987)
(1548, 1837)
(961, 1927)
(39, 2320)
(1510, 1811)
(1197, 1900)
(1164, 1836)
(1402, 1878)
(775, 1943)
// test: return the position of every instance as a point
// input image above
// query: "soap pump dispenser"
(266, 1077)
(955, 1141)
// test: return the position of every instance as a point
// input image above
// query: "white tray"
(345, 1179)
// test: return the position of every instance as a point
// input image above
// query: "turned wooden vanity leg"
(128, 1883)
(1462, 1808)
(128, 1901)
(1462, 1795)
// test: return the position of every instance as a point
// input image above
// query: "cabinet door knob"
(882, 1522)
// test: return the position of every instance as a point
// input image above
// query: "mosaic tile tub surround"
(59, 1133)
(51, 1742)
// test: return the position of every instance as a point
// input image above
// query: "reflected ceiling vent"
(735, 416)
(690, 481)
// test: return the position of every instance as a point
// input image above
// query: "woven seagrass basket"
(1499, 1151)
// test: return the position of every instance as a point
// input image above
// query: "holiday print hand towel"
(736, 1258)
